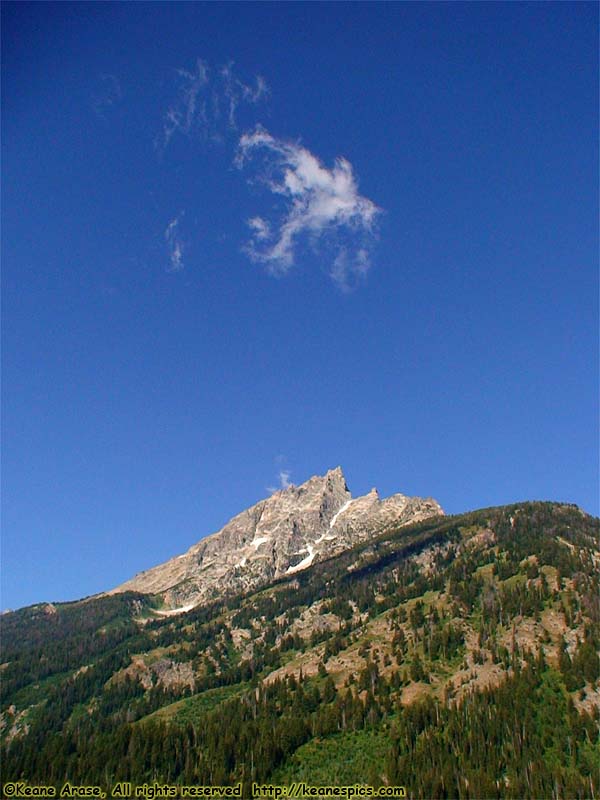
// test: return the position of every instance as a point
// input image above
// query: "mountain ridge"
(280, 535)
(482, 625)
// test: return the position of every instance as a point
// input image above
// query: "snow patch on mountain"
(338, 513)
(256, 543)
(306, 562)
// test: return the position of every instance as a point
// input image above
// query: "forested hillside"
(457, 657)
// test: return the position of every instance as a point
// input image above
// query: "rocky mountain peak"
(336, 477)
(332, 482)
(283, 534)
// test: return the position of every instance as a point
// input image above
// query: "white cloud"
(175, 245)
(261, 228)
(321, 204)
(283, 477)
(207, 102)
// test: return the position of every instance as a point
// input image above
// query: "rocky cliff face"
(279, 536)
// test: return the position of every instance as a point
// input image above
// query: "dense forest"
(457, 657)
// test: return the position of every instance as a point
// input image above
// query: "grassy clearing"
(343, 759)
(191, 709)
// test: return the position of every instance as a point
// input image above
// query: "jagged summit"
(283, 534)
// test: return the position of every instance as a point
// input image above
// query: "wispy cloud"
(283, 476)
(107, 94)
(175, 245)
(316, 206)
(322, 206)
(284, 479)
(207, 102)
(236, 91)
(349, 267)
(189, 109)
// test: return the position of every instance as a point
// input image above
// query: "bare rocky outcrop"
(283, 534)
(164, 672)
(13, 723)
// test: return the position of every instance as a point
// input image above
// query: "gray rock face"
(279, 536)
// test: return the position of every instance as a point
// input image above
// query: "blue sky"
(245, 243)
